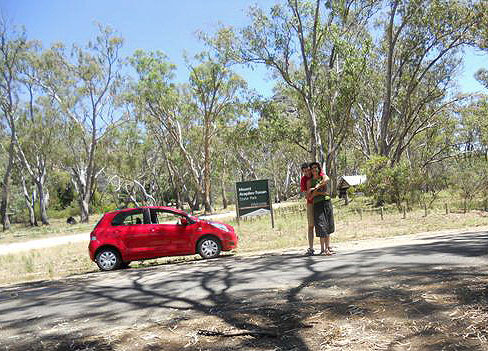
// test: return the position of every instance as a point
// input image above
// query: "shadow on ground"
(431, 296)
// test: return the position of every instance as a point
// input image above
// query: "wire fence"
(403, 211)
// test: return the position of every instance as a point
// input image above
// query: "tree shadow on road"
(371, 299)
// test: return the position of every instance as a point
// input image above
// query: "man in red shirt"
(306, 176)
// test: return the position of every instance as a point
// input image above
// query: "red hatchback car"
(135, 234)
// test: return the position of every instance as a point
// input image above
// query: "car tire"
(108, 259)
(208, 247)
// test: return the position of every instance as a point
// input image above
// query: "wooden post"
(361, 213)
(425, 210)
(404, 212)
(447, 208)
(381, 212)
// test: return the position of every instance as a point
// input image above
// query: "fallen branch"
(253, 333)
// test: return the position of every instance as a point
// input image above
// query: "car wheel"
(208, 247)
(108, 259)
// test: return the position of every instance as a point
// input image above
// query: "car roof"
(166, 208)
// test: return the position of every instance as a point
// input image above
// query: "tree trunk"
(206, 166)
(207, 203)
(85, 211)
(386, 114)
(316, 147)
(195, 203)
(276, 188)
(42, 203)
(4, 206)
(224, 195)
(331, 168)
(30, 200)
(78, 179)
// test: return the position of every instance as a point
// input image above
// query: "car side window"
(165, 217)
(128, 218)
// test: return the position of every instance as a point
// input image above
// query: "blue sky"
(165, 25)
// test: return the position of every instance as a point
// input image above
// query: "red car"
(149, 232)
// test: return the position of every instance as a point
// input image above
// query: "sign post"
(253, 199)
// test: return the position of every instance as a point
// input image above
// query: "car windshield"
(159, 216)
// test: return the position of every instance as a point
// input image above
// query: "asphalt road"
(103, 301)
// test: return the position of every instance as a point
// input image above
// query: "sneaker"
(310, 252)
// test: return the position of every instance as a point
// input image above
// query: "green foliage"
(387, 184)
(71, 211)
(470, 177)
(176, 140)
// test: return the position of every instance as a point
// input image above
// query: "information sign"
(253, 198)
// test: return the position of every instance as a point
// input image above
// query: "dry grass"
(256, 235)
(440, 308)
(57, 227)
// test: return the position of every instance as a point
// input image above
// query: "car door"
(134, 231)
(174, 238)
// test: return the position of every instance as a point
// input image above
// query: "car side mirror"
(183, 221)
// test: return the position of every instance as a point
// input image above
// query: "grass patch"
(254, 235)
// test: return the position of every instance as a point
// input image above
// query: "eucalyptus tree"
(283, 139)
(137, 170)
(37, 143)
(420, 47)
(85, 90)
(341, 88)
(473, 126)
(13, 47)
(193, 116)
(30, 196)
(470, 177)
(296, 41)
(218, 95)
(167, 113)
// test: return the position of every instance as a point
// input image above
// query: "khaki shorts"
(310, 214)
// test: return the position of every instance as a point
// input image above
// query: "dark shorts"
(323, 217)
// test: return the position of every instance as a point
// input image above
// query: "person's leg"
(330, 222)
(320, 225)
(323, 246)
(328, 250)
(310, 238)
(310, 227)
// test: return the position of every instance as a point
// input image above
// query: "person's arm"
(309, 185)
(321, 185)
(317, 192)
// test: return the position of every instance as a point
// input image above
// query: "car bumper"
(230, 243)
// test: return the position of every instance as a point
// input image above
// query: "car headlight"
(219, 226)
